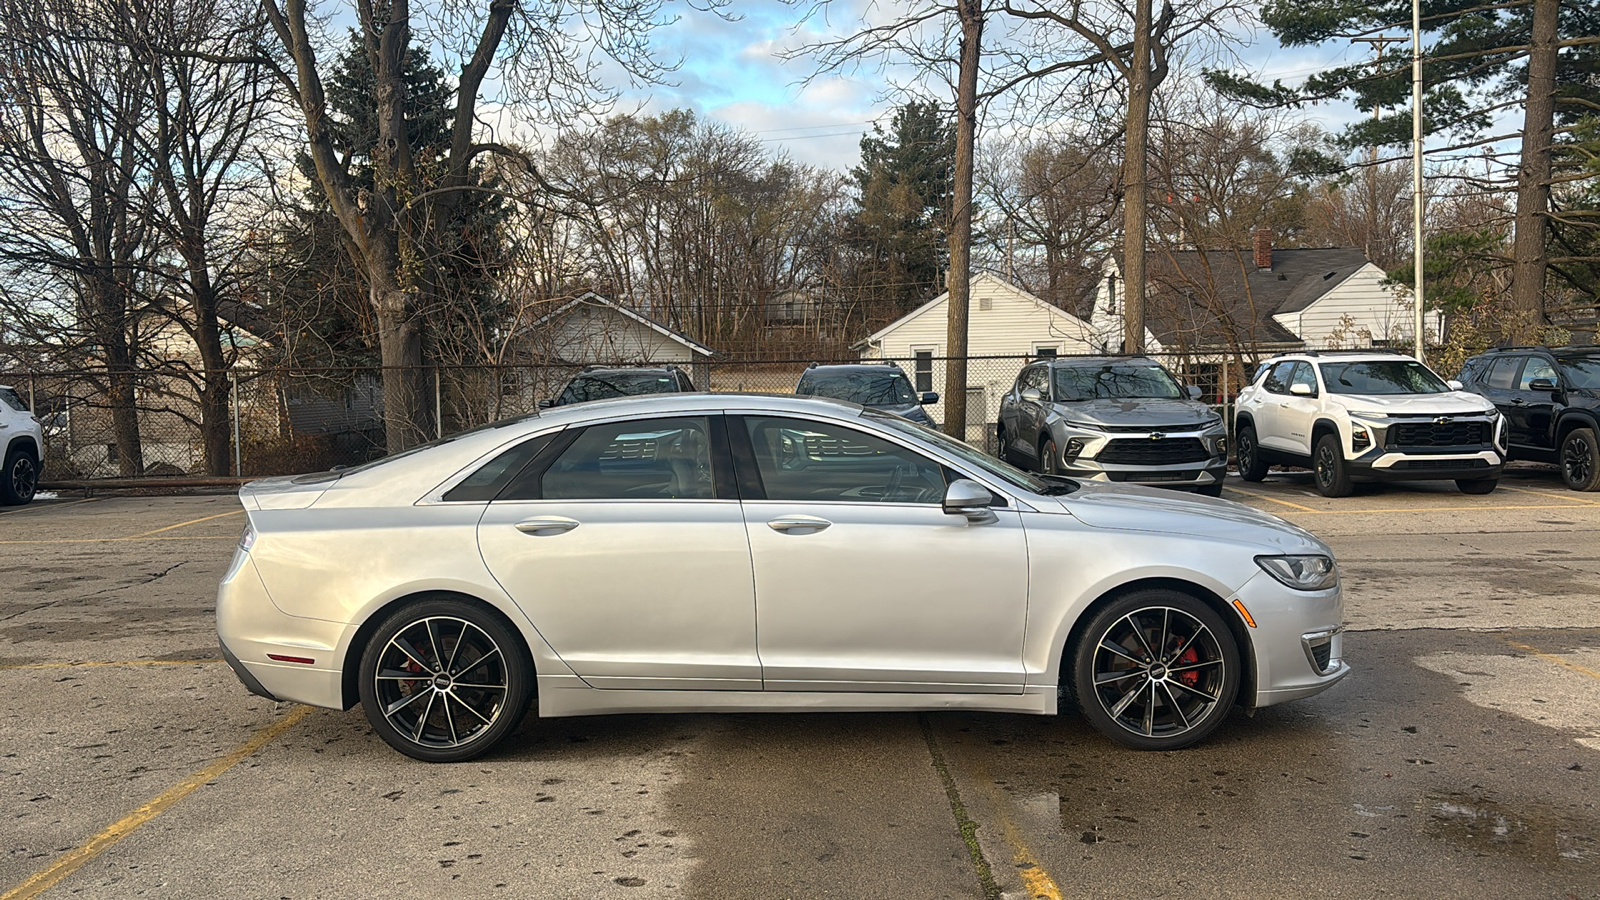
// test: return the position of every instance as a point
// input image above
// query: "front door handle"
(1519, 402)
(543, 526)
(798, 524)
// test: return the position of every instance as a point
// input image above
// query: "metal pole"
(1416, 166)
(438, 407)
(238, 455)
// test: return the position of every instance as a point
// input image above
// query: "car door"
(1298, 412)
(1268, 406)
(863, 583)
(1499, 382)
(626, 547)
(1530, 412)
(1031, 414)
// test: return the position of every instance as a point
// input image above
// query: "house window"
(923, 369)
(1045, 351)
(985, 303)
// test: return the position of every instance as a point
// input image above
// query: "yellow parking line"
(1551, 494)
(195, 537)
(16, 512)
(48, 877)
(237, 512)
(1035, 879)
(1535, 651)
(1265, 497)
(1412, 509)
(115, 662)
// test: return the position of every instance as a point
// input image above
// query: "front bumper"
(1297, 644)
(1185, 475)
(1390, 465)
(1089, 454)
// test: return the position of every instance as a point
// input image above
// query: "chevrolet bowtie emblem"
(1443, 420)
(1156, 435)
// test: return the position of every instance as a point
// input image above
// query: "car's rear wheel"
(444, 680)
(1580, 460)
(1333, 479)
(1477, 485)
(1156, 670)
(20, 480)
(1251, 466)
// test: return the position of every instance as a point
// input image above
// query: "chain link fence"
(286, 421)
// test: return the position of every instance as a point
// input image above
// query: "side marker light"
(1248, 619)
(305, 661)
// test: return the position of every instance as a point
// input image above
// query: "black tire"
(1327, 462)
(427, 639)
(20, 479)
(1178, 697)
(1248, 453)
(1477, 485)
(1003, 451)
(1580, 460)
(1049, 457)
(1210, 490)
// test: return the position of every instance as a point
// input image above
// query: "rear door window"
(1503, 374)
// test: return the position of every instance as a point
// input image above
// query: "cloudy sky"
(732, 72)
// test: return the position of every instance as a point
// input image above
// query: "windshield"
(889, 387)
(1115, 381)
(1400, 376)
(1582, 372)
(973, 456)
(605, 385)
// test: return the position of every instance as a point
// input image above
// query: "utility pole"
(1377, 44)
(1416, 167)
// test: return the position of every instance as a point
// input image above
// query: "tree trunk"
(959, 279)
(1533, 175)
(1134, 178)
(121, 396)
(407, 418)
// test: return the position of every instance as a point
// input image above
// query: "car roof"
(1069, 361)
(695, 401)
(1580, 350)
(1344, 356)
(880, 368)
(599, 370)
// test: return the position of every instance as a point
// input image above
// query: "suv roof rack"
(1508, 347)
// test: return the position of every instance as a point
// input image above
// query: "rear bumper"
(252, 631)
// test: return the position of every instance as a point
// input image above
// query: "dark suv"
(605, 382)
(1551, 401)
(877, 385)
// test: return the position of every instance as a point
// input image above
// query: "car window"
(1582, 372)
(9, 397)
(1302, 373)
(1277, 380)
(1503, 374)
(1534, 369)
(641, 459)
(605, 385)
(492, 477)
(802, 460)
(880, 387)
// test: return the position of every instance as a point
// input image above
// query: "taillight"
(248, 539)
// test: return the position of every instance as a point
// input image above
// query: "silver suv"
(23, 439)
(1366, 416)
(1119, 418)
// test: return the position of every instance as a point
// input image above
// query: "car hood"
(1150, 412)
(911, 411)
(1458, 403)
(1135, 508)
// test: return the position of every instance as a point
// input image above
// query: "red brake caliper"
(1189, 657)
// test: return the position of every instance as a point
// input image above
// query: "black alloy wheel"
(20, 480)
(1156, 670)
(1049, 457)
(1328, 464)
(1248, 454)
(444, 681)
(1580, 460)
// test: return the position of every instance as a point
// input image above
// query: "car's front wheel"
(1156, 670)
(1580, 460)
(1327, 461)
(1251, 466)
(1477, 485)
(20, 479)
(444, 680)
(1049, 457)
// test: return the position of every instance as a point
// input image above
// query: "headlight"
(1361, 414)
(1303, 573)
(1492, 415)
(1086, 426)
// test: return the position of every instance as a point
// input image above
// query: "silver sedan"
(698, 552)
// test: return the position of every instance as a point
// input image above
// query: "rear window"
(10, 398)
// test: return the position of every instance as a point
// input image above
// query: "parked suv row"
(1550, 399)
(1366, 416)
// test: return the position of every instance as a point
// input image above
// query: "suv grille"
(1145, 452)
(1429, 434)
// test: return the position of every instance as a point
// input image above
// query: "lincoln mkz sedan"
(698, 552)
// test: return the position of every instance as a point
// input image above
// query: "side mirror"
(546, 404)
(1454, 385)
(1194, 392)
(1032, 395)
(1300, 390)
(965, 497)
(929, 397)
(1542, 384)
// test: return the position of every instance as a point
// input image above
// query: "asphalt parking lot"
(1462, 757)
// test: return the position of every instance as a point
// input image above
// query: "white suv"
(1366, 416)
(23, 439)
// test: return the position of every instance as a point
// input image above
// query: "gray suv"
(1122, 419)
(874, 385)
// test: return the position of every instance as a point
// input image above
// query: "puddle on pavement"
(1483, 826)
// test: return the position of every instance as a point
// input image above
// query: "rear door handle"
(798, 524)
(543, 526)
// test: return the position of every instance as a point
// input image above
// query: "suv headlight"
(1083, 426)
(1310, 572)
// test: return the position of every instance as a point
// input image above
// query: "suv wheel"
(1248, 452)
(1580, 460)
(1477, 485)
(20, 478)
(1049, 457)
(1333, 480)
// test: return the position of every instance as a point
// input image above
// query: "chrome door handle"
(798, 524)
(1519, 402)
(541, 526)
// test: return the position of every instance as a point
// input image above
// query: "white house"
(1002, 321)
(592, 329)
